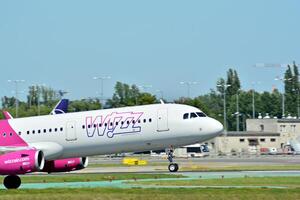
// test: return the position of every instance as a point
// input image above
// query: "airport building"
(262, 136)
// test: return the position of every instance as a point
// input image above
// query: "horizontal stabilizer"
(7, 115)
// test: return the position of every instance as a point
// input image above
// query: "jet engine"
(66, 165)
(21, 162)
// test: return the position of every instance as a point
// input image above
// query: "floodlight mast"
(253, 98)
(189, 84)
(16, 82)
(101, 80)
(283, 94)
(225, 86)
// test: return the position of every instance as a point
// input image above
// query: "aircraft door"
(162, 120)
(71, 131)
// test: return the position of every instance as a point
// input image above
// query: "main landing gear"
(173, 167)
(12, 182)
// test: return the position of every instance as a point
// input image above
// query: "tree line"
(41, 99)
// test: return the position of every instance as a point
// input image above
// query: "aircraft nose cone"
(218, 127)
(215, 127)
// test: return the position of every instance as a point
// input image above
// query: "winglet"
(61, 107)
(7, 115)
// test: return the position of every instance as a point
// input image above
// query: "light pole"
(38, 92)
(253, 99)
(283, 93)
(188, 84)
(225, 86)
(101, 80)
(237, 112)
(16, 82)
(298, 108)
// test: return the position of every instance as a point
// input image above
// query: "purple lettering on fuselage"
(113, 124)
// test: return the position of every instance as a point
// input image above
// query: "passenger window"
(27, 132)
(83, 126)
(186, 116)
(193, 115)
(50, 130)
(61, 129)
(39, 131)
(201, 114)
(150, 120)
(45, 130)
(55, 129)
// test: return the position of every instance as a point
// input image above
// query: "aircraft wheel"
(12, 182)
(173, 167)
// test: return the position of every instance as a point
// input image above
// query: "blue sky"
(65, 43)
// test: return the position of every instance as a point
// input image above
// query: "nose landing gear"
(173, 167)
(12, 182)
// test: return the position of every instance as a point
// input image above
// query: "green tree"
(234, 82)
(291, 85)
(126, 95)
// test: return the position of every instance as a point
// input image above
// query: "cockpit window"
(193, 115)
(186, 116)
(201, 114)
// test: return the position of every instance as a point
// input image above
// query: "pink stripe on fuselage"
(8, 136)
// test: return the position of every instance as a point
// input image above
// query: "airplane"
(62, 142)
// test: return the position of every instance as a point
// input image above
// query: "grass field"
(89, 177)
(292, 192)
(150, 194)
(290, 182)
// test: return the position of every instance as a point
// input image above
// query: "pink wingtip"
(7, 115)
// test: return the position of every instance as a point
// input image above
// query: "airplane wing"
(51, 150)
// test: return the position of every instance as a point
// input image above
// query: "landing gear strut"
(12, 182)
(173, 167)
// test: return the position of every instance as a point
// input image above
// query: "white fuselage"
(108, 131)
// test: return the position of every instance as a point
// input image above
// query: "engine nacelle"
(66, 165)
(21, 162)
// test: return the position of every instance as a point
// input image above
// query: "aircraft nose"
(218, 127)
(214, 127)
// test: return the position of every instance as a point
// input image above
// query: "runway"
(188, 176)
